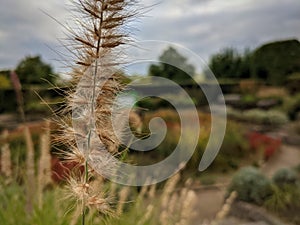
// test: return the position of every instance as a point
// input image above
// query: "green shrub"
(271, 117)
(277, 117)
(292, 106)
(285, 202)
(285, 177)
(251, 185)
(256, 116)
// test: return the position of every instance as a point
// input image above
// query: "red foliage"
(61, 170)
(269, 144)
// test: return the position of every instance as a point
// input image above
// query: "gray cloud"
(204, 26)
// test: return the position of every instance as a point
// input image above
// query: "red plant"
(61, 170)
(269, 144)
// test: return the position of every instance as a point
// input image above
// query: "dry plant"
(221, 215)
(6, 166)
(44, 167)
(99, 30)
(30, 171)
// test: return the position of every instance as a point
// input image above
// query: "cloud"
(25, 29)
(213, 25)
(204, 26)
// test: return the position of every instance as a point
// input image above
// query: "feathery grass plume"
(99, 31)
(18, 90)
(225, 208)
(44, 166)
(123, 195)
(147, 216)
(152, 191)
(168, 189)
(165, 198)
(6, 166)
(30, 171)
(187, 207)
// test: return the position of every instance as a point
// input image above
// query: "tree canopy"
(273, 62)
(173, 66)
(32, 70)
(230, 64)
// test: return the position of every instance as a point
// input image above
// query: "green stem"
(92, 109)
(86, 171)
(83, 216)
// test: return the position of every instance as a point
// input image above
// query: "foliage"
(274, 62)
(173, 66)
(230, 64)
(285, 177)
(270, 117)
(12, 207)
(285, 202)
(251, 186)
(32, 70)
(277, 117)
(234, 146)
(292, 106)
(4, 80)
(283, 198)
(148, 207)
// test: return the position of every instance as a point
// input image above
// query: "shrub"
(285, 202)
(256, 115)
(277, 117)
(292, 106)
(285, 177)
(271, 117)
(251, 185)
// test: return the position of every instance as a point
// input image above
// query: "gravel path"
(287, 157)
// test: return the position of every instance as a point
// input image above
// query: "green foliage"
(251, 186)
(4, 80)
(173, 66)
(285, 177)
(270, 117)
(292, 106)
(274, 62)
(285, 202)
(277, 117)
(32, 70)
(230, 64)
(12, 207)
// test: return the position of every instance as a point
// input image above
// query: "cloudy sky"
(204, 26)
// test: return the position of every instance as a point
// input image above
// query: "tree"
(32, 70)
(230, 64)
(276, 61)
(173, 66)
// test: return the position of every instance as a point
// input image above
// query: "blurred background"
(253, 49)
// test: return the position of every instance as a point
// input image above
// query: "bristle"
(90, 135)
